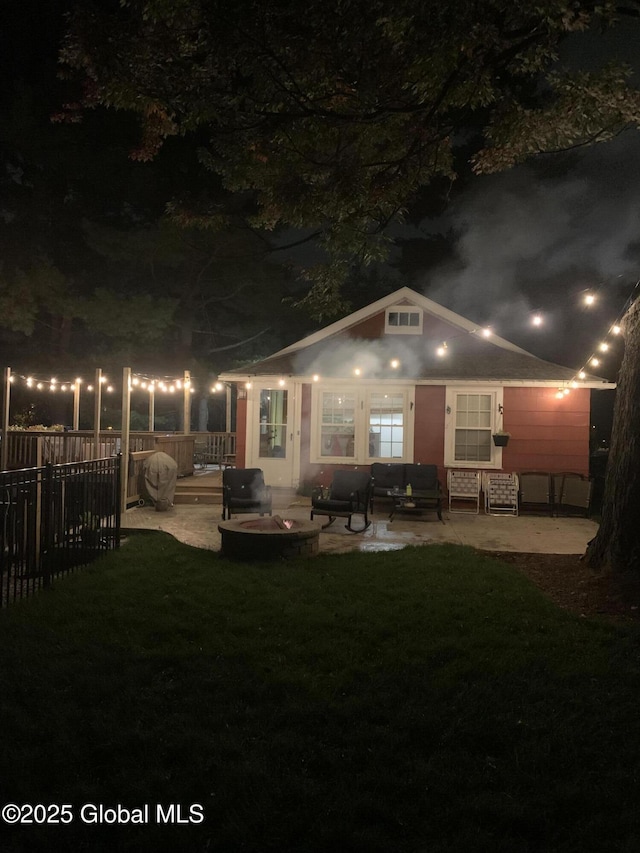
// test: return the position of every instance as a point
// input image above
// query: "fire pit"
(268, 538)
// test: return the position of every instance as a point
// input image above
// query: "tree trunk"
(618, 540)
(203, 414)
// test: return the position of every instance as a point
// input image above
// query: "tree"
(617, 542)
(334, 117)
(206, 292)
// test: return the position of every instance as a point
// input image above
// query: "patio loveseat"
(396, 476)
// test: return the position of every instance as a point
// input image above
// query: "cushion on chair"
(387, 476)
(350, 486)
(423, 478)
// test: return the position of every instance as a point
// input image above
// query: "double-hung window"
(472, 415)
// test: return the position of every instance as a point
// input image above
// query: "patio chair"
(348, 495)
(536, 491)
(464, 486)
(572, 494)
(244, 490)
(501, 494)
(200, 454)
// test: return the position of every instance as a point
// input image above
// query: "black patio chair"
(244, 490)
(349, 494)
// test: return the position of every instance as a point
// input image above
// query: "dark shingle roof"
(481, 361)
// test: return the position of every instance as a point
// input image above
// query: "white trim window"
(472, 415)
(362, 425)
(403, 320)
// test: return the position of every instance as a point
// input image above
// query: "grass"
(423, 700)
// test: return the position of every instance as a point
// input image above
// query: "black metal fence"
(53, 519)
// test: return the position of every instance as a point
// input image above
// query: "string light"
(536, 320)
(53, 384)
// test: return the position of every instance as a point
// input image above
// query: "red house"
(406, 380)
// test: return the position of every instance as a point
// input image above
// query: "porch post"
(76, 404)
(186, 408)
(124, 440)
(4, 460)
(97, 412)
(152, 407)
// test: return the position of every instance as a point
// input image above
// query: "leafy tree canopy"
(332, 115)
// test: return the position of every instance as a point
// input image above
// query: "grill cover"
(160, 476)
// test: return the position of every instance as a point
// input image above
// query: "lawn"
(425, 700)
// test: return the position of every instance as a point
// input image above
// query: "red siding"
(547, 434)
(428, 444)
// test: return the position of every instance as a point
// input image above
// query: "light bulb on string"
(536, 320)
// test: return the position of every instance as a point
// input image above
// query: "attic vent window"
(403, 320)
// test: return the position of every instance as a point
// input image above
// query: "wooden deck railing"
(28, 449)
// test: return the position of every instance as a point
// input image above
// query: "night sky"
(533, 239)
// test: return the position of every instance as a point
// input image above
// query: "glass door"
(273, 445)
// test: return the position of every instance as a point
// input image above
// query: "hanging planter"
(501, 439)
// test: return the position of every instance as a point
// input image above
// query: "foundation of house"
(269, 538)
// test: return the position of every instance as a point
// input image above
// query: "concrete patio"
(197, 525)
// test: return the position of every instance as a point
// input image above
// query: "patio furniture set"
(415, 489)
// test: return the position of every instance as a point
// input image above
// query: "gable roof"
(358, 340)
